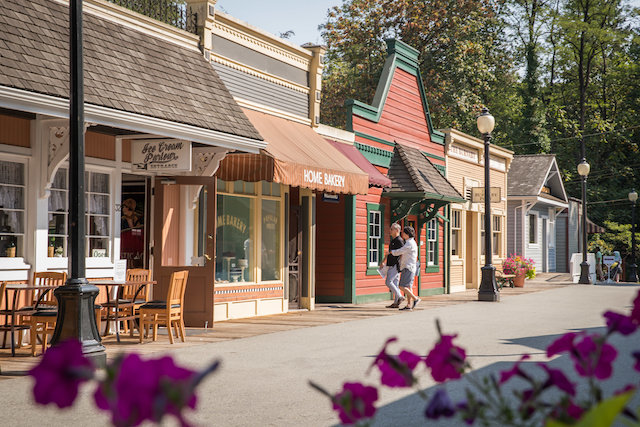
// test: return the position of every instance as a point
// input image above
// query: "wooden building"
(465, 170)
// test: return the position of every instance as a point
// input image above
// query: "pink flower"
(397, 371)
(507, 375)
(562, 344)
(355, 402)
(59, 374)
(137, 390)
(617, 322)
(594, 357)
(440, 406)
(446, 360)
(636, 355)
(558, 379)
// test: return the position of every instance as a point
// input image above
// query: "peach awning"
(295, 155)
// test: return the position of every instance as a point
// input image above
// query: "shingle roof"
(411, 171)
(124, 69)
(528, 173)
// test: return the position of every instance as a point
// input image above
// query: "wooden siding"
(330, 248)
(14, 131)
(562, 265)
(100, 146)
(250, 88)
(126, 150)
(457, 275)
(458, 170)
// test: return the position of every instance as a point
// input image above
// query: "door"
(184, 239)
(294, 249)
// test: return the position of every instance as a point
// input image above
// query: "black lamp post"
(76, 314)
(583, 171)
(632, 269)
(488, 288)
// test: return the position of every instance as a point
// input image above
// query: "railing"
(172, 12)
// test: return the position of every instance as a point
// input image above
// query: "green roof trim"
(399, 55)
(375, 156)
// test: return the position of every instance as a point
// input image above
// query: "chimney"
(205, 10)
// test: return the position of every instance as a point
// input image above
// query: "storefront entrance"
(295, 249)
(135, 220)
(184, 239)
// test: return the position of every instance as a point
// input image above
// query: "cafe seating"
(130, 298)
(42, 313)
(169, 312)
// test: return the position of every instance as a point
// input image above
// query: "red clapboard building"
(395, 134)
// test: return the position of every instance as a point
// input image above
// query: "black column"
(585, 278)
(488, 290)
(76, 315)
(632, 269)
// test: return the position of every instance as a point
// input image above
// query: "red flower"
(507, 375)
(594, 357)
(397, 371)
(137, 390)
(440, 406)
(562, 344)
(446, 360)
(59, 374)
(355, 402)
(558, 379)
(617, 322)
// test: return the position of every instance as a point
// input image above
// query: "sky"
(278, 16)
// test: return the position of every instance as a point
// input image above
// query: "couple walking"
(401, 265)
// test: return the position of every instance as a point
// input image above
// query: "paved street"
(263, 380)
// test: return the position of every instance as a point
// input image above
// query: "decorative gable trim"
(405, 57)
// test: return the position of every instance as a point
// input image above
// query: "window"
(456, 233)
(533, 229)
(249, 232)
(12, 208)
(497, 235)
(375, 239)
(432, 242)
(97, 214)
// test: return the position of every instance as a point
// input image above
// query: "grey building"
(536, 196)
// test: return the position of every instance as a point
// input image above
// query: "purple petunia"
(355, 402)
(562, 344)
(558, 379)
(440, 406)
(515, 371)
(59, 374)
(635, 311)
(446, 360)
(636, 355)
(396, 371)
(594, 357)
(617, 322)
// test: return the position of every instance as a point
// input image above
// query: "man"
(393, 270)
(599, 273)
(408, 263)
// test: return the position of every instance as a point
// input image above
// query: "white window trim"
(378, 238)
(461, 224)
(435, 241)
(19, 262)
(537, 242)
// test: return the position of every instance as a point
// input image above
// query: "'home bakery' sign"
(161, 155)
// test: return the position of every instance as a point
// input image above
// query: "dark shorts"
(406, 278)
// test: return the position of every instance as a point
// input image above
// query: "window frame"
(435, 266)
(496, 234)
(20, 255)
(530, 216)
(372, 269)
(458, 235)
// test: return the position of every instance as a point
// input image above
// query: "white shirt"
(408, 255)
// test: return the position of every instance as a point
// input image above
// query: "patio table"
(11, 312)
(109, 284)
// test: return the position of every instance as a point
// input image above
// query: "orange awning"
(295, 155)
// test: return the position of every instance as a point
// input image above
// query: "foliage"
(545, 395)
(518, 265)
(617, 238)
(133, 390)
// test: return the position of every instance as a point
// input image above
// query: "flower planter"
(518, 281)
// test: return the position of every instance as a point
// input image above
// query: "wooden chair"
(169, 312)
(129, 299)
(43, 314)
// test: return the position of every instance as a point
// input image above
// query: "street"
(264, 379)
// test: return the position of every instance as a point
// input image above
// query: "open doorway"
(134, 220)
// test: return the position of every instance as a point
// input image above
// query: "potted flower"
(11, 249)
(51, 248)
(520, 267)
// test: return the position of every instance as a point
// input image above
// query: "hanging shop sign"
(477, 194)
(161, 155)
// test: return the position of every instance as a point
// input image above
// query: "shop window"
(432, 243)
(270, 189)
(456, 233)
(270, 251)
(375, 239)
(533, 228)
(235, 239)
(97, 214)
(12, 208)
(497, 235)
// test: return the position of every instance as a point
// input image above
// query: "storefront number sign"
(477, 195)
(161, 155)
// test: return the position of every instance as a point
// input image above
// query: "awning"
(295, 155)
(376, 178)
(593, 228)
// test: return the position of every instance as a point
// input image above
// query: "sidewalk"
(324, 314)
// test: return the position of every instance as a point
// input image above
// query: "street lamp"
(488, 290)
(583, 171)
(632, 269)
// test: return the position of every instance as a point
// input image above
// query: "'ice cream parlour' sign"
(161, 155)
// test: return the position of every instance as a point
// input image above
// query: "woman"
(616, 267)
(408, 265)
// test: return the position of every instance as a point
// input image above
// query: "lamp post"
(632, 269)
(583, 171)
(76, 315)
(488, 288)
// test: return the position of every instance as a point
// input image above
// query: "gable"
(399, 112)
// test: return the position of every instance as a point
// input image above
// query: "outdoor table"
(108, 284)
(11, 312)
